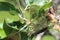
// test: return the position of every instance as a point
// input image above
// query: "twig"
(24, 19)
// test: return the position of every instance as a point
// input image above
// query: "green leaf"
(9, 14)
(24, 36)
(27, 15)
(37, 14)
(34, 38)
(13, 2)
(37, 2)
(47, 5)
(2, 0)
(34, 11)
(48, 37)
(6, 31)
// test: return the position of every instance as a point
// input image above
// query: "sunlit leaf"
(6, 31)
(37, 2)
(45, 6)
(9, 14)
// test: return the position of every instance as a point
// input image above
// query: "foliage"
(48, 37)
(19, 16)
